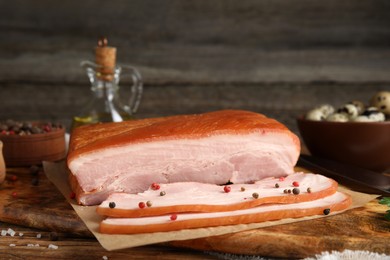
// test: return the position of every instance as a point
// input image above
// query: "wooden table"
(40, 212)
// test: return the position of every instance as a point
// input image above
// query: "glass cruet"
(106, 104)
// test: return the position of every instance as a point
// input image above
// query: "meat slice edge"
(330, 204)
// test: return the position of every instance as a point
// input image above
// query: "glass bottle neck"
(104, 89)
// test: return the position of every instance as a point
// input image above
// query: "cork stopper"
(106, 59)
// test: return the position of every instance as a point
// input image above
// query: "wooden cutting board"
(25, 202)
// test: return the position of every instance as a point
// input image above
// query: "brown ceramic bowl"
(364, 144)
(26, 150)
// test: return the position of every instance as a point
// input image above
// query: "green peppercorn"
(162, 193)
(149, 203)
(276, 185)
(285, 191)
(242, 188)
(309, 190)
(255, 195)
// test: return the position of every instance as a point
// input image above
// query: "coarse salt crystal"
(11, 233)
(51, 246)
(105, 257)
(39, 235)
(12, 245)
(30, 245)
(3, 232)
(36, 245)
(21, 234)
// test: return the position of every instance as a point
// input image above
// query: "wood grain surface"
(27, 203)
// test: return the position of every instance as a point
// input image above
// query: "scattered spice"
(255, 195)
(141, 205)
(13, 178)
(173, 217)
(242, 188)
(276, 185)
(112, 205)
(295, 184)
(285, 191)
(281, 178)
(309, 190)
(326, 211)
(296, 191)
(227, 189)
(288, 191)
(162, 193)
(149, 203)
(14, 194)
(155, 186)
(34, 169)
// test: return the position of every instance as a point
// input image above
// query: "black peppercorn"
(277, 185)
(296, 191)
(111, 205)
(326, 211)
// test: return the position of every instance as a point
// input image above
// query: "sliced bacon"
(336, 202)
(200, 197)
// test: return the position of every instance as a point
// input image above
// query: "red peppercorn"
(141, 205)
(14, 194)
(155, 186)
(227, 189)
(281, 178)
(295, 184)
(173, 217)
(11, 132)
(72, 195)
(14, 178)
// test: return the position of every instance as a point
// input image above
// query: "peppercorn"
(309, 190)
(141, 205)
(173, 217)
(34, 169)
(326, 211)
(295, 184)
(296, 191)
(285, 191)
(281, 178)
(155, 186)
(227, 189)
(276, 185)
(255, 195)
(162, 193)
(112, 205)
(149, 203)
(289, 191)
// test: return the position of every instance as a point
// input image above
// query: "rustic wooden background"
(277, 57)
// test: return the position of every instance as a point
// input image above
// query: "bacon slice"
(199, 197)
(336, 202)
(216, 147)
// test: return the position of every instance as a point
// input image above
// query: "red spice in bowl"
(36, 143)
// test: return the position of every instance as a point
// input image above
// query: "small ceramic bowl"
(26, 150)
(364, 144)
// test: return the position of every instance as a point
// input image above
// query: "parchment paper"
(58, 175)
